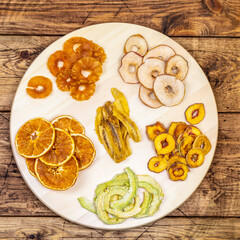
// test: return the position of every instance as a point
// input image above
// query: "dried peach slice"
(175, 159)
(162, 52)
(68, 124)
(148, 97)
(58, 62)
(65, 81)
(57, 178)
(31, 165)
(35, 138)
(154, 130)
(164, 143)
(129, 66)
(61, 151)
(202, 142)
(186, 144)
(169, 90)
(87, 70)
(195, 113)
(84, 151)
(180, 129)
(173, 126)
(191, 131)
(78, 47)
(149, 71)
(178, 171)
(136, 43)
(195, 157)
(82, 91)
(157, 164)
(39, 87)
(177, 66)
(98, 53)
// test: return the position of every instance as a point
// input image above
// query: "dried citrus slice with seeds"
(61, 151)
(78, 47)
(65, 81)
(57, 178)
(87, 70)
(31, 165)
(82, 91)
(68, 124)
(98, 53)
(84, 150)
(35, 138)
(39, 87)
(58, 62)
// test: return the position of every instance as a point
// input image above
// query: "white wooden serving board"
(112, 36)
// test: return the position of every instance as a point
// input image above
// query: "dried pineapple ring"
(39, 87)
(83, 91)
(87, 70)
(78, 47)
(58, 62)
(195, 157)
(98, 53)
(65, 81)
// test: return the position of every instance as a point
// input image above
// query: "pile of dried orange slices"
(55, 151)
(159, 70)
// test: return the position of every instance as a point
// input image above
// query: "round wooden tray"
(112, 36)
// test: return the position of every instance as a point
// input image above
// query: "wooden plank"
(217, 195)
(166, 228)
(184, 18)
(219, 58)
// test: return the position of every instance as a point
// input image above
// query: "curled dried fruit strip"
(78, 47)
(65, 81)
(98, 53)
(57, 178)
(87, 70)
(58, 62)
(39, 87)
(83, 91)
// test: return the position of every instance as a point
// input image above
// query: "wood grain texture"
(166, 228)
(182, 18)
(217, 195)
(218, 57)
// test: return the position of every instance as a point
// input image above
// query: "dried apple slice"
(157, 164)
(195, 157)
(129, 65)
(163, 52)
(202, 142)
(149, 70)
(136, 43)
(164, 143)
(177, 66)
(148, 97)
(195, 113)
(154, 130)
(169, 90)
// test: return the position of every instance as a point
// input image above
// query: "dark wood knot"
(24, 54)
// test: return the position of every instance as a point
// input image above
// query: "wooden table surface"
(208, 29)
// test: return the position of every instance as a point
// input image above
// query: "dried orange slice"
(35, 138)
(65, 81)
(78, 47)
(61, 151)
(39, 87)
(87, 70)
(57, 178)
(58, 62)
(31, 165)
(84, 150)
(68, 124)
(98, 53)
(82, 91)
